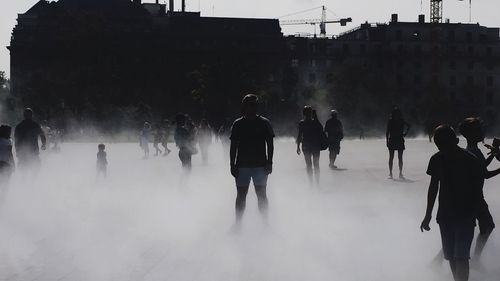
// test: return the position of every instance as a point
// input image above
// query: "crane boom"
(322, 22)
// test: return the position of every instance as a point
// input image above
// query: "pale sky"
(483, 11)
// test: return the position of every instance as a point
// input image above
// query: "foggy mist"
(148, 221)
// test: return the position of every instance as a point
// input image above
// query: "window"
(295, 63)
(329, 78)
(418, 50)
(400, 79)
(453, 96)
(470, 80)
(470, 65)
(417, 79)
(312, 78)
(453, 80)
(418, 65)
(488, 51)
(345, 48)
(489, 97)
(453, 49)
(401, 49)
(469, 36)
(416, 35)
(451, 35)
(470, 49)
(489, 81)
(400, 64)
(453, 65)
(362, 49)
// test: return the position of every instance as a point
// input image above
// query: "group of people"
(457, 174)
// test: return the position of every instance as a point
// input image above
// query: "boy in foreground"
(457, 176)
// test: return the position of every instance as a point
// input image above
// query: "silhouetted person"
(102, 161)
(223, 135)
(335, 132)
(26, 136)
(165, 132)
(7, 165)
(472, 130)
(157, 139)
(457, 176)
(184, 141)
(204, 139)
(251, 154)
(397, 129)
(144, 139)
(309, 136)
(429, 129)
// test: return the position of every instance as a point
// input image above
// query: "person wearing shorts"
(251, 155)
(457, 176)
(472, 129)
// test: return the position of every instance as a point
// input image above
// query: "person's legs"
(333, 156)
(241, 201)
(461, 272)
(259, 177)
(309, 169)
(463, 234)
(391, 160)
(400, 160)
(315, 156)
(486, 226)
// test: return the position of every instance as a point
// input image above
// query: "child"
(102, 161)
(7, 164)
(471, 128)
(456, 175)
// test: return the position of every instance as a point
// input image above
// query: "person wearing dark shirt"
(102, 161)
(309, 136)
(397, 129)
(335, 133)
(251, 155)
(472, 129)
(204, 139)
(457, 176)
(26, 136)
(184, 141)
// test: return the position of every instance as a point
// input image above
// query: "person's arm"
(232, 157)
(431, 199)
(299, 138)
(388, 132)
(42, 138)
(407, 129)
(270, 153)
(490, 174)
(11, 158)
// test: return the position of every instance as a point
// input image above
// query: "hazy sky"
(359, 10)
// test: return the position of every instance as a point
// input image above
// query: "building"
(436, 72)
(96, 58)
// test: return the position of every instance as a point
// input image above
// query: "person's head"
(147, 125)
(334, 113)
(396, 114)
(203, 123)
(249, 105)
(5, 131)
(307, 111)
(445, 137)
(28, 114)
(472, 129)
(101, 147)
(180, 119)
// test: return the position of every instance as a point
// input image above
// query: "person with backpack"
(311, 139)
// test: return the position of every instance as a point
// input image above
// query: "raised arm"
(431, 199)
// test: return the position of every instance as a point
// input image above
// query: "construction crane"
(321, 22)
(437, 11)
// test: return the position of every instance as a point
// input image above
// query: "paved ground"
(147, 222)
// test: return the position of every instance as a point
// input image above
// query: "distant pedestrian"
(204, 139)
(165, 136)
(144, 138)
(397, 129)
(184, 140)
(457, 176)
(309, 138)
(251, 155)
(26, 136)
(102, 161)
(7, 165)
(335, 133)
(157, 139)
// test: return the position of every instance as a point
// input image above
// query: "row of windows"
(451, 36)
(418, 49)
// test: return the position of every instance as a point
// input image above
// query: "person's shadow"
(403, 180)
(339, 169)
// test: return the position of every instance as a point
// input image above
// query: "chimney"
(157, 2)
(421, 18)
(183, 6)
(171, 6)
(394, 18)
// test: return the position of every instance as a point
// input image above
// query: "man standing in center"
(251, 155)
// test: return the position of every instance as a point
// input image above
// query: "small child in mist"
(456, 175)
(102, 161)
